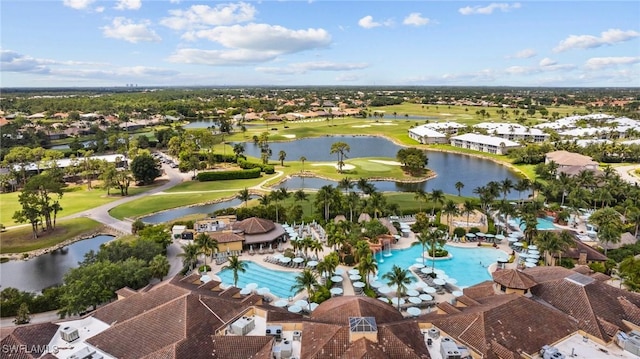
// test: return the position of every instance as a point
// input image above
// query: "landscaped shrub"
(349, 260)
(459, 232)
(320, 295)
(228, 175)
(474, 230)
(204, 268)
(269, 170)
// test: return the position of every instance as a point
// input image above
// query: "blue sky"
(52, 43)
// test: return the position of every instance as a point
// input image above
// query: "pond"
(200, 124)
(47, 270)
(449, 167)
(172, 214)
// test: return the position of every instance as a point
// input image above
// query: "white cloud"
(222, 57)
(416, 19)
(596, 63)
(523, 54)
(489, 9)
(347, 78)
(304, 67)
(264, 37)
(78, 4)
(128, 4)
(368, 23)
(609, 37)
(520, 70)
(547, 62)
(201, 16)
(125, 29)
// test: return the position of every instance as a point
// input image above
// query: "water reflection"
(49, 269)
(172, 214)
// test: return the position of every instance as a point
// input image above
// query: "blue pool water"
(468, 265)
(279, 282)
(544, 224)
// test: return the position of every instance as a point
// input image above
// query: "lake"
(449, 167)
(172, 214)
(47, 270)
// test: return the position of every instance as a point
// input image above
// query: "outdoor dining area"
(289, 262)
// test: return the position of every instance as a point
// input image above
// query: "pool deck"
(403, 242)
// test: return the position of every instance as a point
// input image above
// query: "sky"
(86, 43)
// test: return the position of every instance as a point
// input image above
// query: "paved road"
(623, 171)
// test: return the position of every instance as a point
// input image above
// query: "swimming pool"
(544, 224)
(278, 282)
(468, 265)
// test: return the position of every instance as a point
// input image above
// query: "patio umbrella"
(418, 265)
(533, 246)
(263, 291)
(298, 260)
(280, 303)
(443, 276)
(376, 284)
(413, 293)
(430, 290)
(524, 255)
(480, 234)
(438, 271)
(451, 281)
(489, 235)
(533, 251)
(336, 279)
(518, 244)
(339, 271)
(512, 239)
(245, 291)
(457, 293)
(425, 297)
(530, 265)
(414, 300)
(251, 286)
(295, 309)
(205, 278)
(312, 263)
(532, 260)
(355, 277)
(395, 301)
(384, 290)
(354, 271)
(439, 281)
(470, 235)
(500, 237)
(413, 311)
(285, 259)
(426, 270)
(313, 306)
(336, 291)
(359, 284)
(301, 303)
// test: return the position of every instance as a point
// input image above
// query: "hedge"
(228, 175)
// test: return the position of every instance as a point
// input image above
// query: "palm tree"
(424, 238)
(190, 253)
(302, 159)
(420, 195)
(244, 195)
(340, 148)
(264, 200)
(367, 266)
(238, 149)
(437, 197)
(306, 280)
(207, 245)
(547, 241)
(236, 266)
(159, 266)
(450, 209)
(505, 186)
(326, 197)
(564, 183)
(361, 250)
(459, 186)
(281, 156)
(468, 207)
(565, 238)
(521, 186)
(399, 277)
(345, 184)
(609, 226)
(352, 201)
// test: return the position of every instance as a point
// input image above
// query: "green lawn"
(155, 203)
(21, 240)
(218, 185)
(74, 199)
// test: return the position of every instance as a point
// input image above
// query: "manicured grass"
(218, 185)
(21, 239)
(155, 203)
(74, 199)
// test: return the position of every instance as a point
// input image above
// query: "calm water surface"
(49, 269)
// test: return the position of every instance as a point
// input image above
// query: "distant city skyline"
(85, 43)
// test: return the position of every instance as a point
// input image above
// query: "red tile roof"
(254, 225)
(514, 279)
(29, 341)
(338, 310)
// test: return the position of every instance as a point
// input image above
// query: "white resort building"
(490, 144)
(513, 131)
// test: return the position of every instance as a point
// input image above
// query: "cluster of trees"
(40, 201)
(413, 159)
(117, 264)
(534, 153)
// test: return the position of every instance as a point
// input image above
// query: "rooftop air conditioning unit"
(296, 335)
(549, 352)
(632, 344)
(69, 334)
(434, 333)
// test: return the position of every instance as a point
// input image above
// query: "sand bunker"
(361, 126)
(384, 124)
(345, 167)
(391, 163)
(289, 136)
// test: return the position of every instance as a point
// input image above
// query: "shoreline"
(103, 231)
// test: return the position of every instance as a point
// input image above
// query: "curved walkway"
(625, 173)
